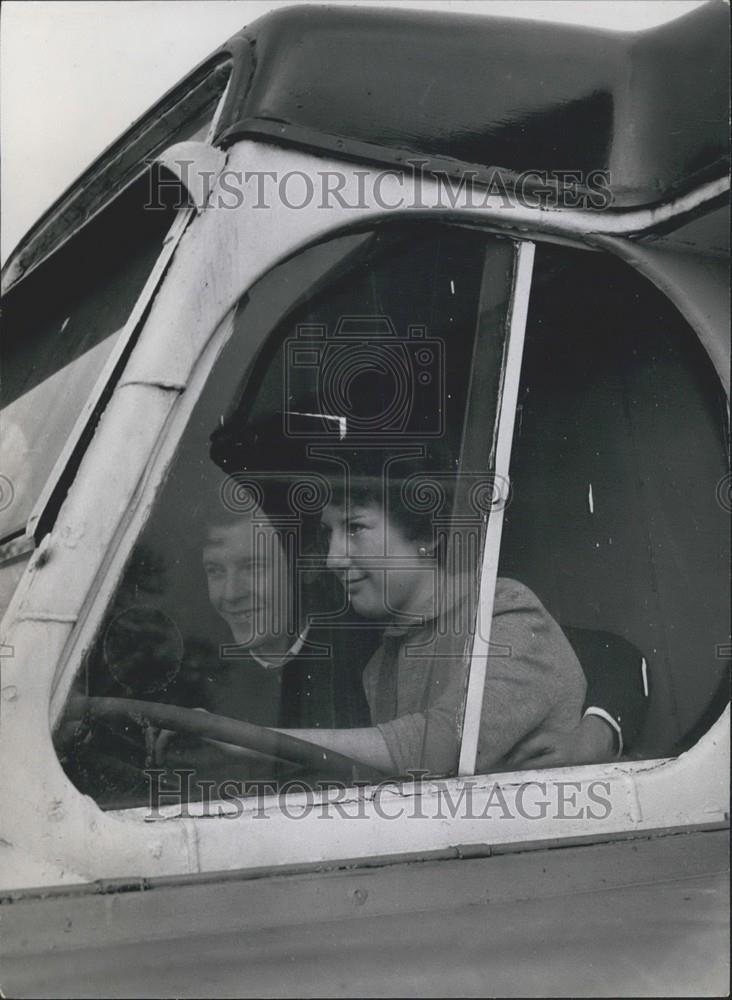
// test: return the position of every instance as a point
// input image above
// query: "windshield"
(327, 501)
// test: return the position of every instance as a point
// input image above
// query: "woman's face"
(380, 568)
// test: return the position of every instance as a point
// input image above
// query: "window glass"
(615, 518)
(301, 600)
(59, 327)
(187, 113)
(62, 320)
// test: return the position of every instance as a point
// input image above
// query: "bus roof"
(457, 92)
(649, 107)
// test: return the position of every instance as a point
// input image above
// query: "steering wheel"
(218, 727)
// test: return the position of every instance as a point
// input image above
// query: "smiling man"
(272, 668)
(250, 588)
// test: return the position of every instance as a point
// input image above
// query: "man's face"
(248, 583)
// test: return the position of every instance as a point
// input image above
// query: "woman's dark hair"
(415, 485)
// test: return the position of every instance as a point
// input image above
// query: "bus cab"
(491, 277)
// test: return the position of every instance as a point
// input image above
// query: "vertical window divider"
(478, 657)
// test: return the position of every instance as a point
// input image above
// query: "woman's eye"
(354, 529)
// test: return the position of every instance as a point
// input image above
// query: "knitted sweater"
(416, 680)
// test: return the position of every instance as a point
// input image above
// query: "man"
(273, 668)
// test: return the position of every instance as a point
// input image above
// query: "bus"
(364, 553)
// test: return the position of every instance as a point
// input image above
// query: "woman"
(400, 569)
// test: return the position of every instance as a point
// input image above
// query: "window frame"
(644, 795)
(511, 376)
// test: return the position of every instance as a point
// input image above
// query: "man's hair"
(261, 471)
(245, 499)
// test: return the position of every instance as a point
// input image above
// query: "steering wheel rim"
(247, 735)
